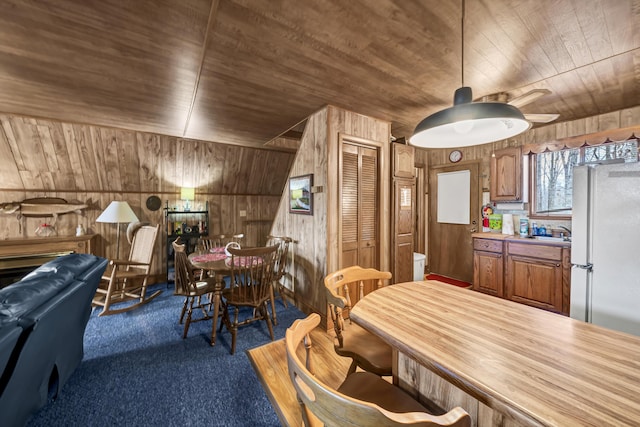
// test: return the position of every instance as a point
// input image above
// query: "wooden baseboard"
(270, 363)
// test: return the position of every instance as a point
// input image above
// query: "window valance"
(598, 138)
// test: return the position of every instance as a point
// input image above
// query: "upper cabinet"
(403, 160)
(506, 175)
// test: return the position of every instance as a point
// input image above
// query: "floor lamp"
(117, 213)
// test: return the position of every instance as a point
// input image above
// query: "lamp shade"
(117, 212)
(187, 193)
(469, 123)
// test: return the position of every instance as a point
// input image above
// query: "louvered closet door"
(359, 198)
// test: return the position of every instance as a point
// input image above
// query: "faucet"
(568, 237)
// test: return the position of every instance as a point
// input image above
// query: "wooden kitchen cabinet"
(523, 270)
(538, 275)
(506, 175)
(488, 266)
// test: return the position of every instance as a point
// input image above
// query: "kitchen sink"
(552, 239)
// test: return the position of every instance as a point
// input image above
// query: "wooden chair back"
(214, 241)
(252, 271)
(283, 243)
(184, 278)
(143, 246)
(345, 287)
(323, 405)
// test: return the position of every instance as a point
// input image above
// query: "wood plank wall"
(48, 158)
(316, 250)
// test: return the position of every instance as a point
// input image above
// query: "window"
(552, 173)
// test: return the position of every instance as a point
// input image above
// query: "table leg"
(217, 298)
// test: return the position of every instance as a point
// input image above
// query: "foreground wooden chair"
(196, 293)
(282, 264)
(126, 280)
(344, 288)
(252, 272)
(363, 399)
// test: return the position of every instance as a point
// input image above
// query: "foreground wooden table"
(503, 362)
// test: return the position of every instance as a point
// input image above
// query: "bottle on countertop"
(524, 227)
(534, 229)
(542, 231)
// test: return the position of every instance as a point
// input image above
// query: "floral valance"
(591, 139)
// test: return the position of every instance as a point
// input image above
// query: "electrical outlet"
(243, 213)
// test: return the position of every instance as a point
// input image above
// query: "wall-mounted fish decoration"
(40, 207)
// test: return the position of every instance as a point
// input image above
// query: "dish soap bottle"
(542, 231)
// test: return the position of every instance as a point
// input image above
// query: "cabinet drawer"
(488, 245)
(535, 251)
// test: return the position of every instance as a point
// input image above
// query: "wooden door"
(404, 201)
(419, 231)
(359, 197)
(450, 247)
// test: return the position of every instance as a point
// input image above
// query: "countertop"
(517, 238)
(541, 367)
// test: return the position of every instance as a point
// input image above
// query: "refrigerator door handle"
(587, 266)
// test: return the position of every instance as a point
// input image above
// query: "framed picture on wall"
(300, 197)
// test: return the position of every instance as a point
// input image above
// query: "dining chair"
(282, 265)
(252, 272)
(344, 288)
(126, 280)
(363, 399)
(214, 241)
(196, 291)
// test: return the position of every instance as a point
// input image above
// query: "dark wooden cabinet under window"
(189, 226)
(506, 175)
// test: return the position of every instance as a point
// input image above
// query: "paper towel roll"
(507, 224)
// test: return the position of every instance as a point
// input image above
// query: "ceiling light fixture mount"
(469, 123)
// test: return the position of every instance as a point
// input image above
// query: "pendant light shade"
(469, 123)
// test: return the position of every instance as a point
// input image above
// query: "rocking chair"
(127, 279)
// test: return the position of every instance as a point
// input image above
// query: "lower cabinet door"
(488, 272)
(533, 281)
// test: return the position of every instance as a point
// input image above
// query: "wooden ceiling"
(245, 71)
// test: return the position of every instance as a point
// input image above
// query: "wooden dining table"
(505, 363)
(214, 262)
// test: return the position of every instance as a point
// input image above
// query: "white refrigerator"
(605, 248)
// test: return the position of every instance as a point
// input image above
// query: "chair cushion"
(371, 353)
(371, 388)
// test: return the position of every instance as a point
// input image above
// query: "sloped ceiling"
(245, 71)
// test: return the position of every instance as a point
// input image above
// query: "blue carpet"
(138, 371)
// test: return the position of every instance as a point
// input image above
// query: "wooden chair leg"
(352, 367)
(184, 310)
(265, 316)
(188, 321)
(273, 306)
(284, 300)
(234, 329)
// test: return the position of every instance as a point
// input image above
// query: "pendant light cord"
(462, 44)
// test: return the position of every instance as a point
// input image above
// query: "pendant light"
(468, 123)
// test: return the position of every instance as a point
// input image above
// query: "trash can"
(418, 266)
